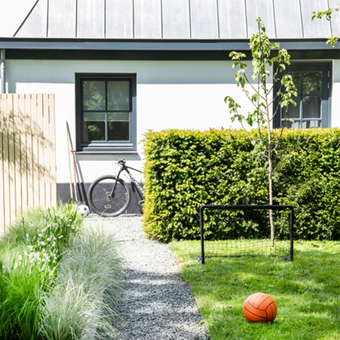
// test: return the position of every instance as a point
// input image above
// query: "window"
(106, 112)
(312, 110)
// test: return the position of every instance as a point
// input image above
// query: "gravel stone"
(156, 303)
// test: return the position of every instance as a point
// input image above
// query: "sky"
(12, 14)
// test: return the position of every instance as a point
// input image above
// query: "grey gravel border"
(156, 303)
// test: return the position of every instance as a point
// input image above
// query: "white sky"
(12, 14)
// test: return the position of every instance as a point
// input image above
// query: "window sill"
(107, 153)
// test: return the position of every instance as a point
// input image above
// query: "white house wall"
(170, 94)
(335, 116)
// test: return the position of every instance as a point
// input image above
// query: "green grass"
(20, 302)
(306, 291)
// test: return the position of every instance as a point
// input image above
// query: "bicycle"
(110, 196)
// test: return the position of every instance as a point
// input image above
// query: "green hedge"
(186, 169)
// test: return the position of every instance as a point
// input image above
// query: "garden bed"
(58, 280)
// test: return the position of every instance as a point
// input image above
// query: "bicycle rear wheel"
(100, 199)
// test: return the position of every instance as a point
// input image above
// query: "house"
(121, 67)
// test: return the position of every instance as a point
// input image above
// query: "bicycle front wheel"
(105, 203)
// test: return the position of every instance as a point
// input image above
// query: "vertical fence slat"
(17, 131)
(35, 153)
(11, 158)
(5, 141)
(27, 154)
(53, 149)
(47, 153)
(41, 146)
(24, 150)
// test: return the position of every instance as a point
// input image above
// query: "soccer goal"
(244, 230)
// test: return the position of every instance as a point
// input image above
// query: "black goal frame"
(201, 258)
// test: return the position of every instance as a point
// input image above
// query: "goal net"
(244, 230)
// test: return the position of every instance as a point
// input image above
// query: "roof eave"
(155, 44)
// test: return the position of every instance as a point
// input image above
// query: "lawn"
(306, 291)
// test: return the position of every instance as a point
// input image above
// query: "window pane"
(119, 116)
(94, 126)
(311, 107)
(293, 111)
(94, 95)
(312, 124)
(118, 126)
(294, 125)
(297, 80)
(118, 95)
(311, 83)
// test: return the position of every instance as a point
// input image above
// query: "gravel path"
(156, 302)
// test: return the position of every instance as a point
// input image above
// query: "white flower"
(20, 257)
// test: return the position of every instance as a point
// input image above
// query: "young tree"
(262, 97)
(328, 14)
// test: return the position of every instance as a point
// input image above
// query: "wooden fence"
(27, 154)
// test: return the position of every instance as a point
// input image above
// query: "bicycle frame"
(124, 167)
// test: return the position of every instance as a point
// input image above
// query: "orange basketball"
(259, 307)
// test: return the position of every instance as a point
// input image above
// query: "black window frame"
(326, 69)
(106, 146)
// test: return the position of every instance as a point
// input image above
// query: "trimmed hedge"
(186, 169)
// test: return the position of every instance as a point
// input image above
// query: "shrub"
(57, 279)
(29, 256)
(187, 169)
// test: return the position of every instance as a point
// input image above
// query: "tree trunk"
(271, 199)
(270, 179)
